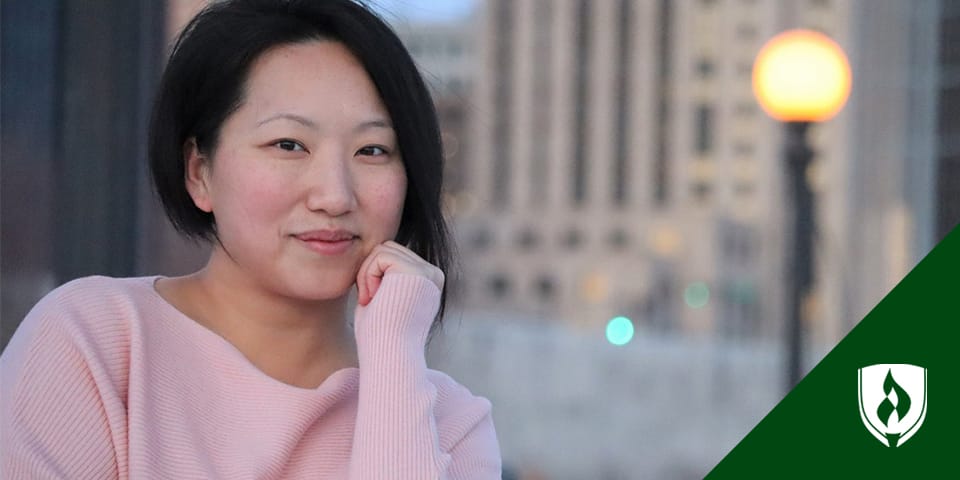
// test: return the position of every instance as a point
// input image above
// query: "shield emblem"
(893, 401)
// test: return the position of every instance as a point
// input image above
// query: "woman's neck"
(299, 343)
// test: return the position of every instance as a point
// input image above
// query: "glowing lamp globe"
(801, 76)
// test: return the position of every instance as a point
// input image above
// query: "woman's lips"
(327, 242)
(323, 247)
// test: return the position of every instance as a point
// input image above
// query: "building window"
(572, 239)
(659, 305)
(740, 312)
(540, 101)
(580, 96)
(481, 240)
(704, 68)
(502, 103)
(738, 243)
(618, 239)
(661, 175)
(701, 191)
(622, 101)
(499, 286)
(948, 119)
(704, 129)
(546, 288)
(528, 239)
(950, 36)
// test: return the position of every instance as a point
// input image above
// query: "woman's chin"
(320, 285)
(316, 290)
(325, 294)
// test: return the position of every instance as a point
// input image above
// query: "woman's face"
(306, 178)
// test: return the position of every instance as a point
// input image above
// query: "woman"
(298, 138)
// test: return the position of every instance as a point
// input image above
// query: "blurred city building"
(948, 120)
(621, 166)
(445, 53)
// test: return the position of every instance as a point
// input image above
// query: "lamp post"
(800, 77)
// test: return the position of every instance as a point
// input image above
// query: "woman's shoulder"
(89, 304)
(95, 297)
(82, 327)
(101, 285)
(93, 292)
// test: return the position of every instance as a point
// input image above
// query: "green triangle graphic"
(816, 430)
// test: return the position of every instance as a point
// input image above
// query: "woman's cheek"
(263, 200)
(257, 201)
(390, 199)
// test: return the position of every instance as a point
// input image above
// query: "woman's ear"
(197, 175)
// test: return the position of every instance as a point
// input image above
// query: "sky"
(423, 10)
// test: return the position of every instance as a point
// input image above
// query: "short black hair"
(204, 82)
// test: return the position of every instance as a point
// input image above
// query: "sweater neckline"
(342, 380)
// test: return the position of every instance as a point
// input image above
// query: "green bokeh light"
(619, 331)
(696, 295)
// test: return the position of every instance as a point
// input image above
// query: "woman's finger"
(363, 293)
(418, 263)
(372, 271)
(391, 256)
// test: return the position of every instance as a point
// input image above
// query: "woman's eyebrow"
(366, 125)
(375, 123)
(289, 116)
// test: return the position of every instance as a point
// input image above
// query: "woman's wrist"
(402, 311)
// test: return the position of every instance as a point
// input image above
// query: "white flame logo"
(893, 401)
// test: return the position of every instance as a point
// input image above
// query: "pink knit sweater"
(105, 379)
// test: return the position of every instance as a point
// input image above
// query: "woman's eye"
(372, 151)
(289, 145)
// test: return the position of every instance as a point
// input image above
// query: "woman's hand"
(392, 257)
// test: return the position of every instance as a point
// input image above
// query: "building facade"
(621, 166)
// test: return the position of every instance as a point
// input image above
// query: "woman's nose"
(330, 184)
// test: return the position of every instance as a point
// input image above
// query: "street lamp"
(800, 77)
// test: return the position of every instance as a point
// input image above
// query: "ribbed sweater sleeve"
(55, 412)
(396, 434)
